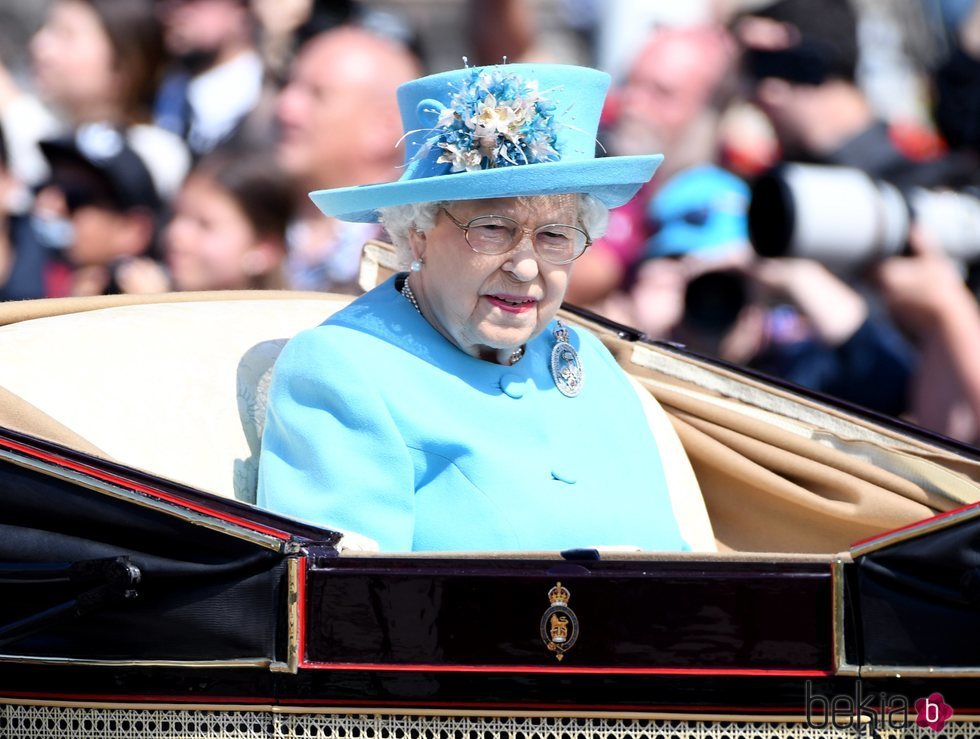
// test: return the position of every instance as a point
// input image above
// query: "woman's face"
(490, 303)
(210, 243)
(73, 59)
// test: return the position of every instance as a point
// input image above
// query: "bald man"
(339, 125)
(669, 103)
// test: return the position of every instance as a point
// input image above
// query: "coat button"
(563, 476)
(513, 385)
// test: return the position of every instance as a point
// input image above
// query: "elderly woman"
(448, 409)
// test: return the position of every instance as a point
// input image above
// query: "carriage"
(146, 595)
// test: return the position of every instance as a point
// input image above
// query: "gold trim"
(926, 527)
(263, 662)
(18, 311)
(346, 711)
(291, 665)
(899, 671)
(651, 715)
(841, 666)
(144, 500)
(467, 713)
(554, 554)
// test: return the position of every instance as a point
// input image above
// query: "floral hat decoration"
(499, 131)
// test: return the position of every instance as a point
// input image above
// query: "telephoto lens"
(847, 220)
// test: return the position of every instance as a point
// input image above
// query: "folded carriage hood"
(915, 598)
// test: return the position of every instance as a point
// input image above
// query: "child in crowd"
(226, 232)
(228, 227)
(102, 206)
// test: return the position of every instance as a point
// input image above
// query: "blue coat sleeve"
(331, 452)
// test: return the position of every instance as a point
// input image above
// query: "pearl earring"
(416, 265)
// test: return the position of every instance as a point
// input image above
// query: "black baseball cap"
(101, 155)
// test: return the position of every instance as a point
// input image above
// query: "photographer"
(800, 58)
(926, 295)
(701, 285)
(800, 61)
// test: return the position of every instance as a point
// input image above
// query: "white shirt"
(221, 97)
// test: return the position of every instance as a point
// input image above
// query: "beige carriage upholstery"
(170, 384)
(175, 384)
(782, 473)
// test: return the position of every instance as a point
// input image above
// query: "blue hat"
(499, 131)
(702, 211)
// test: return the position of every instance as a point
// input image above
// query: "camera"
(847, 220)
(713, 300)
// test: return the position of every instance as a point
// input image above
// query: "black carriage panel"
(87, 575)
(656, 614)
(918, 597)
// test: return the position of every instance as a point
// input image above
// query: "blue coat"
(378, 424)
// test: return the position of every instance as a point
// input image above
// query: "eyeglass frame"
(465, 228)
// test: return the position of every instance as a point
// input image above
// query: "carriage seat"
(171, 385)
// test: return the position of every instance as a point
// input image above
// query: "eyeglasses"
(556, 243)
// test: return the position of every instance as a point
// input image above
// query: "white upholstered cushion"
(176, 389)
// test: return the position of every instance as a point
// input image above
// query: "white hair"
(399, 220)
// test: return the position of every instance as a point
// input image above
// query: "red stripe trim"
(301, 611)
(553, 669)
(565, 707)
(138, 698)
(924, 522)
(833, 624)
(152, 492)
(561, 707)
(558, 670)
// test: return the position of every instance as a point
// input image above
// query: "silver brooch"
(566, 368)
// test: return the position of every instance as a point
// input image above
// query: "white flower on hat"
(541, 150)
(495, 118)
(491, 119)
(447, 116)
(468, 160)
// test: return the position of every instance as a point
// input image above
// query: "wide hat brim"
(612, 180)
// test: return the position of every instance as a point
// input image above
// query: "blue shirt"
(378, 424)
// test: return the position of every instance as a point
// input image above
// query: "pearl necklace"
(406, 290)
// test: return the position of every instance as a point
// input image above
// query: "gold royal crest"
(559, 624)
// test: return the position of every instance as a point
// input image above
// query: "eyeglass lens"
(554, 242)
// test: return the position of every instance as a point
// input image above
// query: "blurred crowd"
(816, 217)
